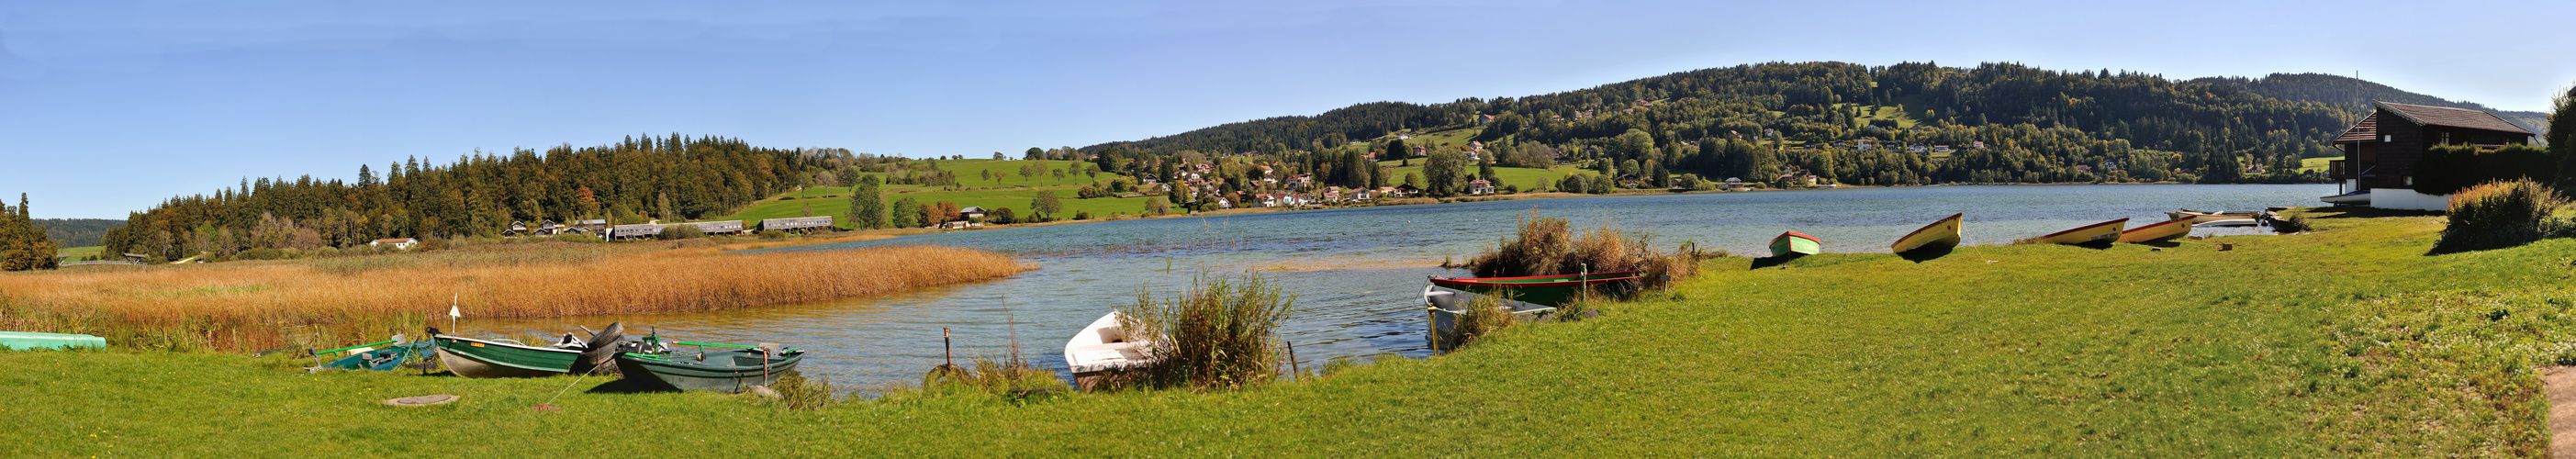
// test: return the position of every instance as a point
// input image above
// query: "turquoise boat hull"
(718, 371)
(33, 340)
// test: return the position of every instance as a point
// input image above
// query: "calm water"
(1357, 273)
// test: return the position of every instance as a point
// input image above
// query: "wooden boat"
(1103, 347)
(1944, 233)
(2206, 217)
(2167, 229)
(2104, 231)
(1796, 242)
(32, 340)
(504, 358)
(386, 358)
(652, 364)
(1448, 305)
(2356, 198)
(1555, 290)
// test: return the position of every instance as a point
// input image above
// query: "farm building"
(2380, 151)
(797, 224)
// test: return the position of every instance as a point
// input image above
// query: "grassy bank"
(263, 304)
(2346, 341)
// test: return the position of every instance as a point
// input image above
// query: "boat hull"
(474, 358)
(723, 371)
(2158, 231)
(1940, 234)
(1796, 243)
(32, 340)
(385, 359)
(1557, 290)
(2104, 231)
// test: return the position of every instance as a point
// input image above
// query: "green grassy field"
(80, 251)
(2346, 341)
(1006, 189)
(2316, 164)
(1524, 177)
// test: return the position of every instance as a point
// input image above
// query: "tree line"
(23, 246)
(632, 181)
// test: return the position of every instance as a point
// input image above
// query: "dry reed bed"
(253, 305)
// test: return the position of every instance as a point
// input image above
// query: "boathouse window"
(2446, 137)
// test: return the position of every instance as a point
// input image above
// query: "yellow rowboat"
(2206, 217)
(2167, 229)
(2104, 231)
(1944, 233)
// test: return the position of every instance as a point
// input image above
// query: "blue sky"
(109, 107)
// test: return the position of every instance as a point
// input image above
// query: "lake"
(1357, 273)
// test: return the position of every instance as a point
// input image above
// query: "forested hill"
(76, 232)
(2337, 89)
(2041, 125)
(652, 177)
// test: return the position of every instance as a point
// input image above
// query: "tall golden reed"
(252, 305)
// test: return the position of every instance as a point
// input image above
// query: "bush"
(1082, 215)
(2499, 214)
(1485, 317)
(1221, 334)
(582, 238)
(1548, 246)
(797, 393)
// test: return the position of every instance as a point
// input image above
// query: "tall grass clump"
(796, 392)
(2499, 214)
(1543, 246)
(1485, 317)
(262, 304)
(988, 375)
(1220, 334)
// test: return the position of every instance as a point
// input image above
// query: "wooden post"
(1293, 371)
(947, 348)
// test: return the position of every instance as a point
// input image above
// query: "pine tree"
(868, 206)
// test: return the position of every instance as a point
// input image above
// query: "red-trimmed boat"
(1555, 290)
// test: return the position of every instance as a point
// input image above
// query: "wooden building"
(2381, 150)
(800, 224)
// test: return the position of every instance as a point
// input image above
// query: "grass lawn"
(1525, 177)
(1008, 189)
(2316, 164)
(79, 251)
(2347, 341)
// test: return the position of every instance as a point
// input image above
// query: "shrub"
(581, 238)
(2499, 214)
(1485, 317)
(1548, 246)
(1082, 215)
(795, 392)
(1220, 334)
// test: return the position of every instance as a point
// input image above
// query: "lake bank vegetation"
(2347, 340)
(265, 304)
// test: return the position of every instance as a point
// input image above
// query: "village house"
(1977, 145)
(1480, 186)
(1916, 148)
(797, 224)
(1940, 148)
(971, 213)
(1484, 120)
(2380, 151)
(397, 244)
(517, 228)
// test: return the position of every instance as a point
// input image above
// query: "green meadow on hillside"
(2345, 341)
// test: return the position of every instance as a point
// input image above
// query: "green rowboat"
(1796, 243)
(474, 358)
(651, 364)
(1556, 290)
(32, 340)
